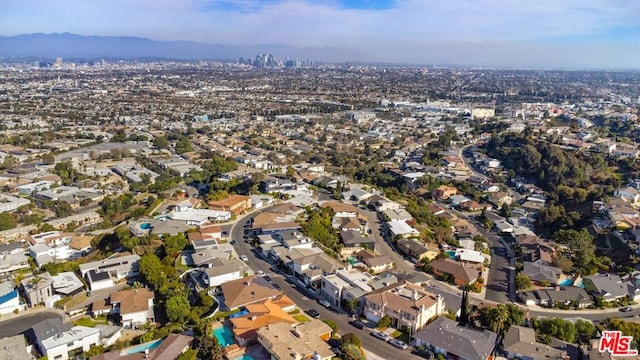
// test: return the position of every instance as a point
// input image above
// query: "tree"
(555, 327)
(499, 318)
(7, 221)
(384, 322)
(352, 305)
(350, 338)
(190, 354)
(152, 270)
(584, 331)
(48, 159)
(352, 352)
(562, 262)
(161, 142)
(177, 308)
(464, 309)
(522, 281)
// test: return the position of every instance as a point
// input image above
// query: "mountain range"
(67, 45)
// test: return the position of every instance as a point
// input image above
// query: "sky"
(495, 33)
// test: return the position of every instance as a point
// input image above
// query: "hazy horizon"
(587, 34)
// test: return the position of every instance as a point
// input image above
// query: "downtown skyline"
(592, 34)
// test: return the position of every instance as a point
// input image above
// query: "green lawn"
(88, 322)
(301, 318)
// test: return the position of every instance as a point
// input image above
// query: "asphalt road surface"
(23, 323)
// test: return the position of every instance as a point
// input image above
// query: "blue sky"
(513, 33)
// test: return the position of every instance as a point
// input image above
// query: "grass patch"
(224, 314)
(88, 322)
(301, 318)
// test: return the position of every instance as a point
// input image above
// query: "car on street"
(380, 335)
(244, 258)
(358, 324)
(260, 272)
(399, 344)
(626, 309)
(275, 285)
(324, 303)
(314, 313)
(267, 277)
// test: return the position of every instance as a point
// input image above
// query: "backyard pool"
(145, 226)
(566, 282)
(141, 348)
(452, 254)
(224, 336)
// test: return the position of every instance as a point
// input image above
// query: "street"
(22, 323)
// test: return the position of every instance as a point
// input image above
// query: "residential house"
(443, 192)
(356, 194)
(416, 250)
(542, 273)
(408, 305)
(170, 348)
(199, 217)
(44, 254)
(105, 273)
(520, 343)
(341, 210)
(445, 336)
(220, 270)
(499, 198)
(37, 289)
(9, 298)
(296, 342)
(59, 341)
(343, 285)
(458, 273)
(608, 287)
(375, 263)
(308, 265)
(397, 214)
(563, 296)
(354, 241)
(135, 306)
(400, 228)
(245, 291)
(259, 315)
(349, 224)
(14, 348)
(12, 257)
(236, 204)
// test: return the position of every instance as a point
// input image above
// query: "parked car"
(380, 335)
(260, 272)
(324, 303)
(626, 309)
(399, 344)
(244, 258)
(314, 313)
(358, 324)
(267, 277)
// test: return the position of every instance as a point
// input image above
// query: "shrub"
(384, 322)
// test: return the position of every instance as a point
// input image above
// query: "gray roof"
(608, 285)
(458, 340)
(13, 348)
(540, 272)
(355, 238)
(225, 266)
(522, 341)
(49, 327)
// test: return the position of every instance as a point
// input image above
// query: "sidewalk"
(577, 312)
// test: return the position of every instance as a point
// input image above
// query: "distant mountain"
(66, 45)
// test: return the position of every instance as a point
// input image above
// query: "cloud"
(390, 28)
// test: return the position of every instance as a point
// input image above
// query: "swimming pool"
(224, 336)
(239, 313)
(452, 254)
(566, 282)
(141, 348)
(244, 357)
(145, 226)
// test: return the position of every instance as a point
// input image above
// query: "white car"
(244, 258)
(260, 272)
(324, 303)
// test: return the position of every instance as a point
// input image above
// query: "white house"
(135, 306)
(44, 254)
(11, 203)
(221, 270)
(105, 273)
(9, 298)
(401, 228)
(68, 344)
(200, 216)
